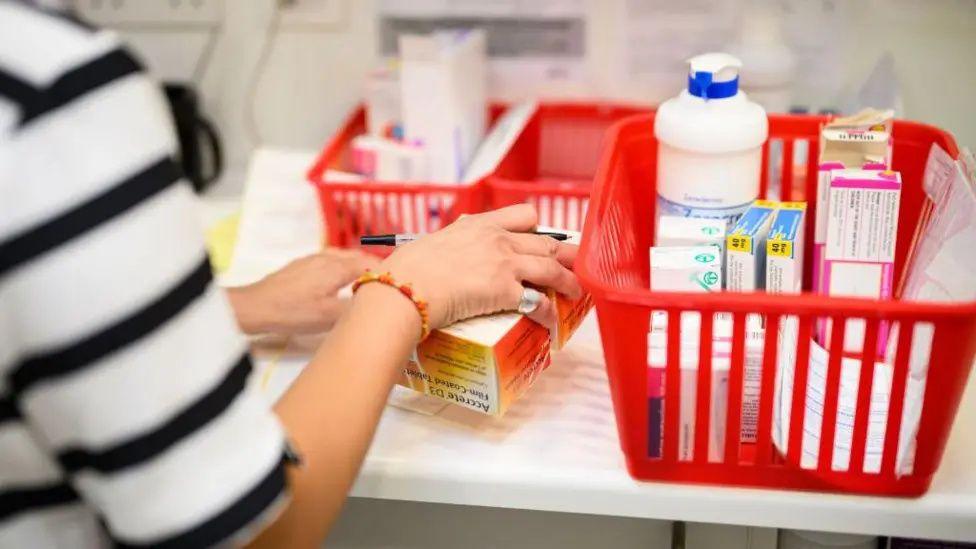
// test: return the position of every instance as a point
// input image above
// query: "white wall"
(313, 76)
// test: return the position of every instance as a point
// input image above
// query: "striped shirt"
(127, 412)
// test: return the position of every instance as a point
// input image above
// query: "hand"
(301, 297)
(478, 265)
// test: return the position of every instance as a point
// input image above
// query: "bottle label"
(730, 214)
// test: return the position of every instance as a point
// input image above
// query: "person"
(127, 412)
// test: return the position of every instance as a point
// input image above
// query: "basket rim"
(745, 302)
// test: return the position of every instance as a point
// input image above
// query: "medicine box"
(860, 141)
(784, 249)
(746, 248)
(569, 312)
(484, 363)
(442, 86)
(387, 160)
(686, 269)
(690, 231)
(382, 94)
(721, 364)
(862, 228)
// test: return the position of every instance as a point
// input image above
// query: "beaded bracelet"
(404, 289)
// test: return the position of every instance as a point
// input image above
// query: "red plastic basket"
(551, 165)
(351, 209)
(613, 265)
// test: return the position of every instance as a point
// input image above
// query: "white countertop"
(557, 450)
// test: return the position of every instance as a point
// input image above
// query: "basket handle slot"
(733, 416)
(828, 420)
(350, 214)
(767, 390)
(798, 401)
(672, 384)
(897, 401)
(865, 385)
(786, 170)
(703, 390)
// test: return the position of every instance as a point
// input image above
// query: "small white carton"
(442, 82)
(387, 160)
(382, 95)
(686, 269)
(673, 230)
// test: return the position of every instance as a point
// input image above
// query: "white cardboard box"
(690, 231)
(442, 83)
(686, 269)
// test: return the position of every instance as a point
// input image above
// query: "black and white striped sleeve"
(123, 365)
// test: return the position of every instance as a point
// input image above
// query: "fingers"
(548, 273)
(518, 218)
(533, 244)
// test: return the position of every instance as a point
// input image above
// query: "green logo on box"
(710, 278)
(704, 258)
(710, 231)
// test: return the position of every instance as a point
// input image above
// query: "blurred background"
(285, 73)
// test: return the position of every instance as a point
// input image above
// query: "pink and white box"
(860, 141)
(859, 255)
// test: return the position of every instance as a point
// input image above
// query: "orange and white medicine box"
(569, 312)
(483, 363)
(486, 363)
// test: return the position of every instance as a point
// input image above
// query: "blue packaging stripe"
(751, 221)
(786, 225)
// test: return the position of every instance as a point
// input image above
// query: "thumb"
(545, 313)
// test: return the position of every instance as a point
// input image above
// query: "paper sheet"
(280, 218)
(942, 266)
(846, 406)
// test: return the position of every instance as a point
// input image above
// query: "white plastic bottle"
(710, 141)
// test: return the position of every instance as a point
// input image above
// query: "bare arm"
(332, 410)
(473, 267)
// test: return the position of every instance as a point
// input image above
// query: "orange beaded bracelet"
(404, 289)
